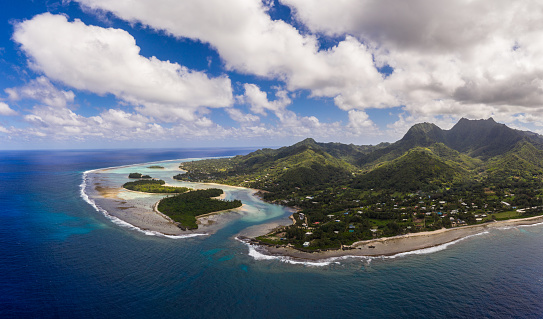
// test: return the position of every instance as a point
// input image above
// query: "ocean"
(61, 258)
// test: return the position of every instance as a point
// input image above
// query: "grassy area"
(156, 167)
(154, 186)
(267, 240)
(506, 215)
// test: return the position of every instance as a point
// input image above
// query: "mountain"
(523, 161)
(475, 138)
(427, 157)
(304, 164)
(484, 138)
(423, 134)
(346, 193)
(417, 169)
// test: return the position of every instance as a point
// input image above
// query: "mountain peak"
(307, 141)
(482, 137)
(423, 134)
(463, 122)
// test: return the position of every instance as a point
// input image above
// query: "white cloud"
(241, 117)
(360, 122)
(108, 61)
(6, 110)
(291, 124)
(258, 100)
(249, 41)
(474, 54)
(64, 124)
(41, 89)
(119, 119)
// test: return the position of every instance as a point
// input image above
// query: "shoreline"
(379, 247)
(150, 221)
(203, 219)
(390, 246)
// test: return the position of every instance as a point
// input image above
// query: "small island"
(154, 186)
(138, 175)
(155, 167)
(184, 208)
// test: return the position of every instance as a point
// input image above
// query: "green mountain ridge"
(523, 161)
(432, 178)
(417, 169)
(476, 138)
(471, 149)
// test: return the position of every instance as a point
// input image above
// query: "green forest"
(138, 175)
(184, 208)
(154, 186)
(477, 172)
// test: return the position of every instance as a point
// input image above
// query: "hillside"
(304, 164)
(418, 169)
(432, 178)
(481, 139)
(524, 161)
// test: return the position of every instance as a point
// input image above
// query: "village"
(332, 220)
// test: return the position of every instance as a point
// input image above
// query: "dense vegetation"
(476, 172)
(156, 167)
(184, 208)
(138, 175)
(154, 186)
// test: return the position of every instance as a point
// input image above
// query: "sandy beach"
(140, 209)
(146, 216)
(395, 245)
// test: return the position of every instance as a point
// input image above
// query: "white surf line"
(253, 252)
(119, 221)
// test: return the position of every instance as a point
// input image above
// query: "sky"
(262, 73)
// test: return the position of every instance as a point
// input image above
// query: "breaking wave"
(253, 252)
(119, 221)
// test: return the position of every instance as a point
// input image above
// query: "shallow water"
(62, 258)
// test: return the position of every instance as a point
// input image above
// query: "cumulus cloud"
(291, 124)
(460, 58)
(6, 110)
(42, 90)
(249, 41)
(473, 54)
(64, 124)
(258, 100)
(240, 117)
(105, 61)
(360, 122)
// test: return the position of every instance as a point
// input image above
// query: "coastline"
(387, 246)
(160, 224)
(204, 219)
(146, 218)
(390, 246)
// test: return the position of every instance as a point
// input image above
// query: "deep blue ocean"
(60, 258)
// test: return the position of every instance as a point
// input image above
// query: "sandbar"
(138, 209)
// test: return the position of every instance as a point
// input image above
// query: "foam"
(532, 225)
(434, 249)
(253, 252)
(519, 226)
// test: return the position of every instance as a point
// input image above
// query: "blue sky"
(170, 73)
